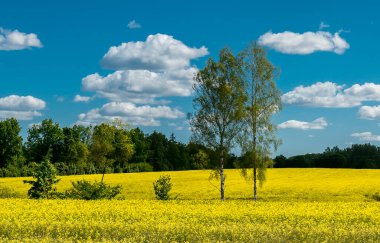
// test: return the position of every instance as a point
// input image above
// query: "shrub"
(162, 187)
(87, 190)
(376, 196)
(45, 177)
(138, 167)
(6, 192)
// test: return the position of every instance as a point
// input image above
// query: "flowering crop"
(295, 205)
(282, 184)
(188, 220)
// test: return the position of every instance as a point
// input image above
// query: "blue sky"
(51, 52)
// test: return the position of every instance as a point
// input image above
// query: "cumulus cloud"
(134, 25)
(144, 73)
(79, 98)
(157, 52)
(366, 136)
(332, 95)
(20, 107)
(11, 40)
(317, 124)
(304, 43)
(15, 102)
(141, 86)
(136, 115)
(369, 112)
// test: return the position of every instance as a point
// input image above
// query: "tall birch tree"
(258, 138)
(219, 106)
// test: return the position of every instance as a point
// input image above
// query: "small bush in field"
(162, 187)
(45, 176)
(88, 190)
(376, 196)
(6, 192)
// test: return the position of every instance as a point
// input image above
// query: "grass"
(281, 185)
(295, 205)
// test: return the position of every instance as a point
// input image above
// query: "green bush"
(162, 187)
(138, 167)
(376, 196)
(45, 177)
(88, 190)
(6, 192)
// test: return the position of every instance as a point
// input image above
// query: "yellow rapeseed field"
(282, 184)
(295, 205)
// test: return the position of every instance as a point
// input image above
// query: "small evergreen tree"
(45, 178)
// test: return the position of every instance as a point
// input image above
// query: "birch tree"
(219, 106)
(258, 138)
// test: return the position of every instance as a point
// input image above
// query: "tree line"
(109, 147)
(358, 156)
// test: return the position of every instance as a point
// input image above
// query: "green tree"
(45, 178)
(200, 160)
(45, 139)
(157, 151)
(258, 137)
(173, 153)
(11, 152)
(110, 143)
(219, 106)
(123, 144)
(141, 144)
(74, 149)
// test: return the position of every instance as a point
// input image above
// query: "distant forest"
(358, 156)
(117, 148)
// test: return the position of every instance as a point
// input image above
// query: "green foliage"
(111, 143)
(88, 190)
(45, 178)
(258, 137)
(6, 192)
(376, 196)
(200, 160)
(138, 167)
(219, 101)
(75, 151)
(45, 140)
(11, 153)
(162, 187)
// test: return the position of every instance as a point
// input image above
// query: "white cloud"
(306, 43)
(158, 52)
(11, 40)
(136, 115)
(366, 136)
(79, 98)
(323, 25)
(317, 124)
(369, 112)
(365, 92)
(134, 25)
(20, 107)
(144, 73)
(19, 115)
(332, 95)
(15, 102)
(141, 86)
